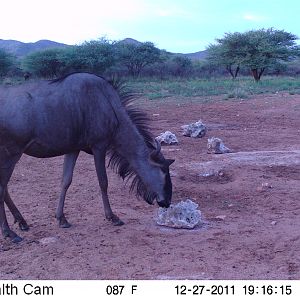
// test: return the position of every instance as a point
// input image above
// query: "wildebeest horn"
(158, 146)
(169, 161)
(157, 149)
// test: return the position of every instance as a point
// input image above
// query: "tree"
(161, 68)
(93, 56)
(46, 63)
(255, 49)
(228, 53)
(265, 48)
(135, 57)
(6, 62)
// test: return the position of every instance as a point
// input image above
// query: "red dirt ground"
(255, 190)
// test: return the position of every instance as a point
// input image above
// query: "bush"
(7, 62)
(47, 63)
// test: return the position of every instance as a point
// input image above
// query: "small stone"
(220, 217)
(173, 149)
(266, 185)
(48, 240)
(273, 223)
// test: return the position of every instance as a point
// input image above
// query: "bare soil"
(249, 200)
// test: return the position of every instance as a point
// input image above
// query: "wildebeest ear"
(169, 161)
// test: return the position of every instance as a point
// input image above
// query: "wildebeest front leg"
(99, 157)
(69, 164)
(15, 212)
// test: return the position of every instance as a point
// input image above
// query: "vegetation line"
(241, 88)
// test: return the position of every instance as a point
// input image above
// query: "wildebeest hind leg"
(99, 157)
(15, 212)
(7, 164)
(69, 164)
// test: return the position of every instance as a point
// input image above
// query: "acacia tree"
(135, 57)
(228, 52)
(255, 49)
(266, 48)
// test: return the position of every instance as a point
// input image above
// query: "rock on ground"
(167, 138)
(195, 130)
(181, 215)
(216, 146)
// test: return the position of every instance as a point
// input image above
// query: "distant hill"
(130, 41)
(200, 55)
(21, 49)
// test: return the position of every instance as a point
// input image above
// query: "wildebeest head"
(164, 199)
(156, 185)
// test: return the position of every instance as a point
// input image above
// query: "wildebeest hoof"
(63, 223)
(116, 221)
(17, 239)
(13, 236)
(23, 226)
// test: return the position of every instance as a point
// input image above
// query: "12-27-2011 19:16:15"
(284, 290)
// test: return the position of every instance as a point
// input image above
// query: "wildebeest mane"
(141, 121)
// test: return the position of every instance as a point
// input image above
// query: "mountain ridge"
(21, 49)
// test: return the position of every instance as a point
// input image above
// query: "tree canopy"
(255, 49)
(94, 56)
(136, 57)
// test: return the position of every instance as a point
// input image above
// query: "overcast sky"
(175, 25)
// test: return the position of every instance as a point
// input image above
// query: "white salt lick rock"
(216, 146)
(181, 215)
(167, 138)
(194, 130)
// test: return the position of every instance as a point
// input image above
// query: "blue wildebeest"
(79, 112)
